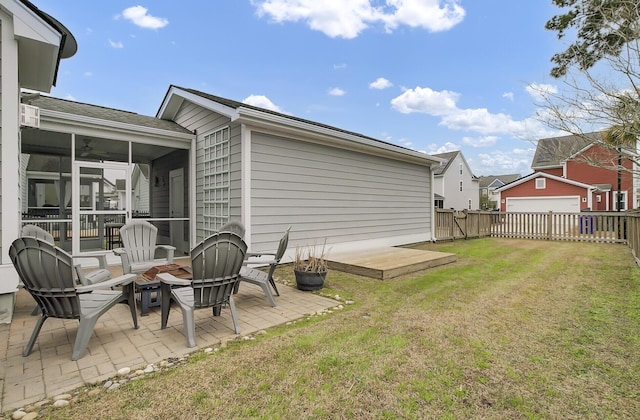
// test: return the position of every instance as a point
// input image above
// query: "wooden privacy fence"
(586, 226)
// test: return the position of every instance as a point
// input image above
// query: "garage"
(570, 204)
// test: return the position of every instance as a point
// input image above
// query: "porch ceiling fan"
(87, 150)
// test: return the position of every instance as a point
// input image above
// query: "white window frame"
(541, 183)
(461, 184)
(460, 168)
(624, 200)
(216, 180)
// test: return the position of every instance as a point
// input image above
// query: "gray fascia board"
(48, 115)
(324, 135)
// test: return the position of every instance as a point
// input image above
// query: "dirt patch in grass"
(512, 329)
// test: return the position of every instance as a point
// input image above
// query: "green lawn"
(513, 329)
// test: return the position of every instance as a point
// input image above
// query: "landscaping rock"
(61, 403)
(18, 414)
(124, 371)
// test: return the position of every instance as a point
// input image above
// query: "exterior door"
(101, 197)
(176, 211)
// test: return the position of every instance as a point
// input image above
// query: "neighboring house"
(201, 162)
(140, 188)
(489, 198)
(572, 173)
(454, 184)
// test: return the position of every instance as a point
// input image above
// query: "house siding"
(196, 118)
(581, 172)
(553, 171)
(327, 192)
(448, 185)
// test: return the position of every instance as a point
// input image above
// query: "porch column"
(10, 153)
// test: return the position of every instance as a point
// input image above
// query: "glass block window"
(215, 194)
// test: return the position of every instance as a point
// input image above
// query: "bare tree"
(600, 77)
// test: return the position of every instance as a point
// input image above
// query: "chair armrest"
(126, 264)
(119, 251)
(258, 254)
(168, 278)
(118, 281)
(170, 251)
(260, 263)
(102, 259)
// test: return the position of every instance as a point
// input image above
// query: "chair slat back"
(37, 232)
(282, 247)
(215, 265)
(139, 240)
(47, 274)
(235, 227)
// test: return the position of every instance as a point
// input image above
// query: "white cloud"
(508, 95)
(443, 104)
(426, 101)
(262, 102)
(139, 17)
(514, 161)
(539, 91)
(340, 66)
(380, 83)
(88, 74)
(485, 141)
(347, 18)
(114, 44)
(70, 97)
(336, 92)
(447, 147)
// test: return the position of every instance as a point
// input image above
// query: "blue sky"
(434, 76)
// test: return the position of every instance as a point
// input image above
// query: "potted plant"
(310, 267)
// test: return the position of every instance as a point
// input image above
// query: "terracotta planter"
(310, 280)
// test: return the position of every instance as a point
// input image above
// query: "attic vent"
(29, 116)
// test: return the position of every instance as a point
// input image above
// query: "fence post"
(549, 225)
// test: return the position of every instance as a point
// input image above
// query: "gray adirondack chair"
(215, 265)
(235, 227)
(85, 278)
(139, 247)
(46, 272)
(260, 277)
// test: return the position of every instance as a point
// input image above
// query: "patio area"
(49, 370)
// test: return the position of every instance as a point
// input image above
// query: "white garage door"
(544, 204)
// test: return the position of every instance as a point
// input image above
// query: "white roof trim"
(543, 174)
(175, 97)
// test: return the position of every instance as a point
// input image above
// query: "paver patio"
(49, 370)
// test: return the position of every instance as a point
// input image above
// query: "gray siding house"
(81, 170)
(270, 170)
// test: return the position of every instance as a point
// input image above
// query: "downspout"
(193, 213)
(433, 204)
(245, 182)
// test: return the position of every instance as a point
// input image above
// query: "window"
(620, 197)
(460, 168)
(541, 183)
(460, 185)
(215, 194)
(469, 204)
